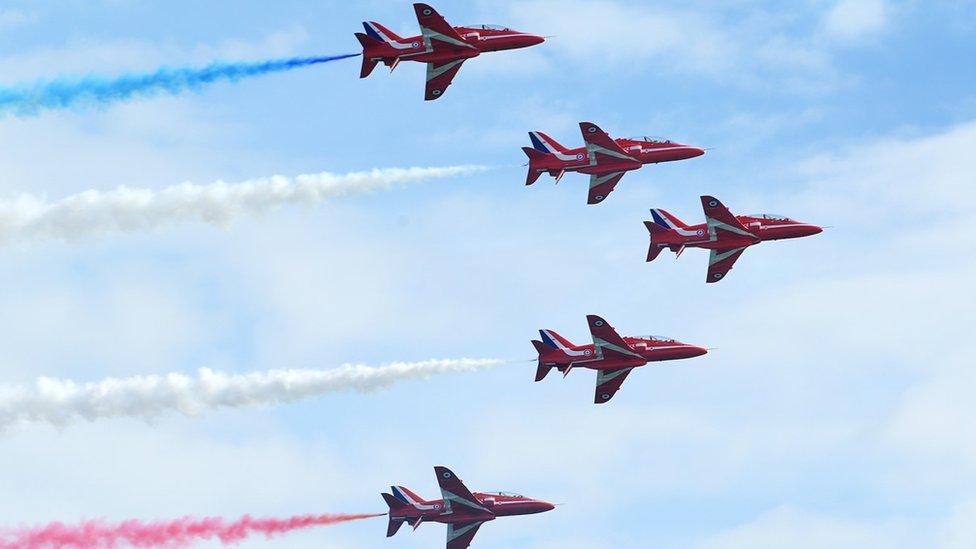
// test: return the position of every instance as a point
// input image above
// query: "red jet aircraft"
(444, 48)
(462, 511)
(726, 235)
(612, 356)
(604, 159)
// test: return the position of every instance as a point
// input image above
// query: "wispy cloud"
(855, 19)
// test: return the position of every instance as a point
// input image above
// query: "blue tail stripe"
(399, 495)
(660, 220)
(371, 32)
(548, 340)
(538, 144)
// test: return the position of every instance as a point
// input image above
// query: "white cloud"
(854, 19)
(749, 49)
(796, 529)
(15, 18)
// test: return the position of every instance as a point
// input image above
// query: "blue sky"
(836, 410)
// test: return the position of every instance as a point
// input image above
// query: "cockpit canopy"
(647, 139)
(663, 339)
(506, 494)
(771, 217)
(489, 27)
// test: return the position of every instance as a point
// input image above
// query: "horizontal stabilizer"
(543, 370)
(395, 504)
(369, 63)
(393, 527)
(536, 158)
(658, 231)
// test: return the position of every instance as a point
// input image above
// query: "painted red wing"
(721, 262)
(455, 492)
(602, 185)
(608, 382)
(609, 344)
(719, 217)
(438, 34)
(459, 535)
(601, 143)
(440, 76)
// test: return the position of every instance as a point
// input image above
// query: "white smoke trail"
(92, 213)
(61, 402)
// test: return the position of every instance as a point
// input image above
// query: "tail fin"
(536, 159)
(543, 143)
(543, 370)
(657, 233)
(667, 220)
(556, 341)
(395, 506)
(369, 63)
(378, 32)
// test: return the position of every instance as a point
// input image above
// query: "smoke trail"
(60, 402)
(90, 213)
(67, 92)
(175, 533)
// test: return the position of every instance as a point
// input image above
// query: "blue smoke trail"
(68, 92)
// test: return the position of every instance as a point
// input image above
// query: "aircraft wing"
(440, 76)
(601, 147)
(720, 218)
(608, 342)
(721, 262)
(608, 382)
(602, 185)
(438, 34)
(459, 535)
(455, 492)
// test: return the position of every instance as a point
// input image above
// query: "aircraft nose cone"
(810, 230)
(697, 151)
(694, 350)
(545, 506)
(533, 39)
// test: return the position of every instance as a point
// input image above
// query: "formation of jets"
(460, 509)
(444, 49)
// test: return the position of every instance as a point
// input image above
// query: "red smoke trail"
(175, 533)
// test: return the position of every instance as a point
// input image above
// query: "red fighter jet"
(462, 511)
(726, 235)
(612, 356)
(604, 159)
(444, 48)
